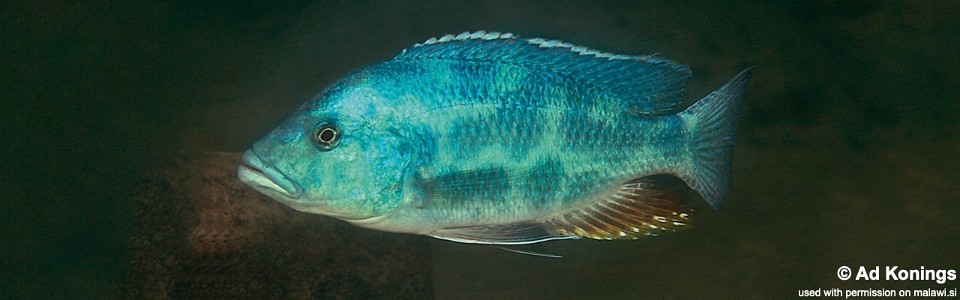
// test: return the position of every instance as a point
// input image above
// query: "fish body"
(495, 139)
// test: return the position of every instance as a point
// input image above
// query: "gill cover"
(347, 156)
(366, 174)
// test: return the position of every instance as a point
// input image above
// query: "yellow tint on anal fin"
(646, 206)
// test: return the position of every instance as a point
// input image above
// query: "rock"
(201, 233)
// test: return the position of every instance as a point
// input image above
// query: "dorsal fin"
(653, 85)
(646, 206)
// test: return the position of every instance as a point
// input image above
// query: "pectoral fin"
(646, 206)
(509, 234)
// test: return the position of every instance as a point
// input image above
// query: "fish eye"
(326, 136)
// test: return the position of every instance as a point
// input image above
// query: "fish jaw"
(267, 180)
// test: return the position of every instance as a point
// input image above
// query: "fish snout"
(266, 179)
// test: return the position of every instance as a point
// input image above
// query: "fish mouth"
(267, 179)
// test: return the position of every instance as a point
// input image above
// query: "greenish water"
(846, 155)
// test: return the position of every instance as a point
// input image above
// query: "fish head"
(337, 155)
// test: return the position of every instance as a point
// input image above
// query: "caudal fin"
(712, 123)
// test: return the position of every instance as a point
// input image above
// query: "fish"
(491, 138)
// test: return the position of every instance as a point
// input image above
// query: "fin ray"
(712, 121)
(529, 251)
(645, 206)
(509, 234)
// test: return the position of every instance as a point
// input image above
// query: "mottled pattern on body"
(508, 135)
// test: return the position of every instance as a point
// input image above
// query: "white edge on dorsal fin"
(542, 43)
(581, 50)
(466, 35)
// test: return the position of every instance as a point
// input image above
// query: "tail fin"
(712, 123)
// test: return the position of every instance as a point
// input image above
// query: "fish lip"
(265, 177)
(267, 180)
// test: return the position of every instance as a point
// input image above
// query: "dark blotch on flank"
(490, 184)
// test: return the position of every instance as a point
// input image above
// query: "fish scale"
(491, 138)
(484, 117)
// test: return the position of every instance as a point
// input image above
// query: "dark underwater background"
(846, 155)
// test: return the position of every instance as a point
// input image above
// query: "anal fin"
(646, 206)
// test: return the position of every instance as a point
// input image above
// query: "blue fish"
(491, 138)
